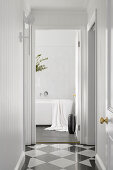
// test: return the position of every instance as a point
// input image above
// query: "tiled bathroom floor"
(53, 136)
(60, 157)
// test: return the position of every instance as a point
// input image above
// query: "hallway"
(86, 60)
(59, 157)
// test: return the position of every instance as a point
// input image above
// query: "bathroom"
(56, 53)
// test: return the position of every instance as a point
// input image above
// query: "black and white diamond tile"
(34, 153)
(48, 149)
(86, 162)
(89, 153)
(38, 146)
(60, 157)
(61, 146)
(46, 166)
(75, 149)
(62, 162)
(61, 153)
(76, 157)
(35, 162)
(48, 157)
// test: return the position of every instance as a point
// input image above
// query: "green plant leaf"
(40, 67)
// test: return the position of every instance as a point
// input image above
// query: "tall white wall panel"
(11, 83)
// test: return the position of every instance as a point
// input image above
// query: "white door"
(109, 112)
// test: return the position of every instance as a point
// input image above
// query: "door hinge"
(78, 43)
(78, 127)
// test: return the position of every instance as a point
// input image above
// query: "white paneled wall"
(11, 83)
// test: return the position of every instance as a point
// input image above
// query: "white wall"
(11, 83)
(59, 78)
(27, 7)
(59, 18)
(100, 5)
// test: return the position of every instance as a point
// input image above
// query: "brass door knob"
(102, 120)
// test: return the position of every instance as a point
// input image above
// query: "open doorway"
(56, 84)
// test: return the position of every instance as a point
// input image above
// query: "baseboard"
(20, 162)
(99, 163)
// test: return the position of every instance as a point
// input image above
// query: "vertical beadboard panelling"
(27, 86)
(11, 83)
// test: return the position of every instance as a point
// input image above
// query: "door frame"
(78, 98)
(93, 21)
(31, 117)
(33, 77)
(109, 106)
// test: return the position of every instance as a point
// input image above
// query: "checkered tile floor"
(60, 157)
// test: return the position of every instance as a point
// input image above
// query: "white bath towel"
(60, 111)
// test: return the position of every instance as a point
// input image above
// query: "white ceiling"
(57, 4)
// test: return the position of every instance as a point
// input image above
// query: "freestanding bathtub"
(44, 109)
